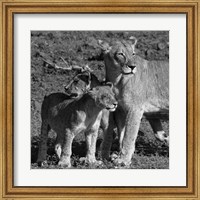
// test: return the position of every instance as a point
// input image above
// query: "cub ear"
(87, 79)
(88, 86)
(104, 46)
(109, 84)
(93, 90)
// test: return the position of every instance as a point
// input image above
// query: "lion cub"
(69, 117)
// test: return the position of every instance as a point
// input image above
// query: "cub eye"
(121, 54)
(104, 96)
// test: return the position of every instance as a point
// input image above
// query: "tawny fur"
(141, 87)
(69, 117)
(87, 80)
(80, 85)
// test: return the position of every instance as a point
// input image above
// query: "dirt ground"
(81, 48)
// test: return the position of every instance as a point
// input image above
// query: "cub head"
(104, 97)
(119, 57)
(79, 85)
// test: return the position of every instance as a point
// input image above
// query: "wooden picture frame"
(9, 8)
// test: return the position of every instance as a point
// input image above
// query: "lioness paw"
(162, 136)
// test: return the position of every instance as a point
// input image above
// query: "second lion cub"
(70, 117)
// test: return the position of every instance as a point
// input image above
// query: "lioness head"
(120, 56)
(104, 97)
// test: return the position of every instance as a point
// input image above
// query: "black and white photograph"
(100, 99)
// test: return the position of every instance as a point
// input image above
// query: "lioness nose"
(131, 66)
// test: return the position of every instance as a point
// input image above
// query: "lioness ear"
(104, 46)
(134, 42)
(110, 84)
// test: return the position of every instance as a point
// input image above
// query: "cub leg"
(91, 139)
(132, 125)
(158, 129)
(42, 152)
(58, 145)
(66, 149)
(58, 149)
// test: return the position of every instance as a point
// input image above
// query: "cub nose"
(66, 90)
(115, 104)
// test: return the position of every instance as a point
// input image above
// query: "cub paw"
(121, 162)
(114, 156)
(90, 161)
(43, 163)
(62, 164)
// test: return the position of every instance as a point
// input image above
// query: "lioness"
(141, 87)
(68, 117)
(83, 81)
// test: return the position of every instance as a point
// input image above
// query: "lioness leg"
(42, 152)
(107, 138)
(105, 120)
(66, 149)
(119, 118)
(132, 125)
(158, 129)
